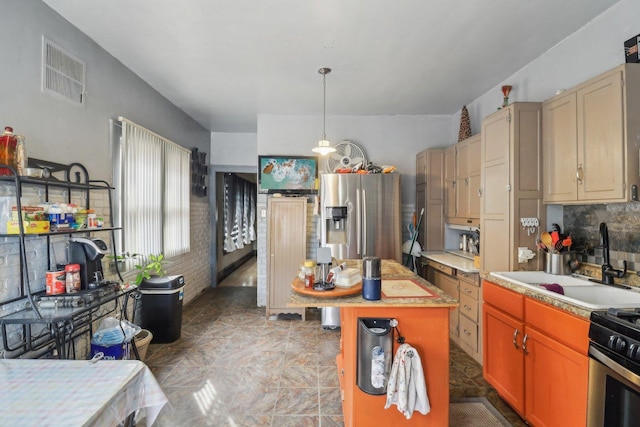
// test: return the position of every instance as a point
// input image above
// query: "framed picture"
(288, 174)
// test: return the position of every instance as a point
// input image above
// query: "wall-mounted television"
(288, 174)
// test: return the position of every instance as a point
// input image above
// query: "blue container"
(371, 278)
(371, 289)
(112, 352)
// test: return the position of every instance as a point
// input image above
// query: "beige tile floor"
(234, 367)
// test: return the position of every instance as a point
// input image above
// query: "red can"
(56, 282)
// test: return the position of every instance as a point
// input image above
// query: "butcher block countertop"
(397, 282)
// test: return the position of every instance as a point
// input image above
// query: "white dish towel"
(407, 388)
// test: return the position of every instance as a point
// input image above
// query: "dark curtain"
(239, 212)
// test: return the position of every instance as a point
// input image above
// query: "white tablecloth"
(35, 392)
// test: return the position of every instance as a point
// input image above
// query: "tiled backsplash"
(623, 223)
(622, 219)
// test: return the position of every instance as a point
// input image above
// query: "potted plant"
(153, 266)
(146, 265)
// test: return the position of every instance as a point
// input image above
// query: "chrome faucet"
(608, 272)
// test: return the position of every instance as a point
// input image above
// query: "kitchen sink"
(576, 290)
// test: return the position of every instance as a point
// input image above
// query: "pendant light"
(324, 145)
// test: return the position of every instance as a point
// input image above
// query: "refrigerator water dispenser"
(336, 226)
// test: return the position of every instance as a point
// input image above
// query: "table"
(38, 392)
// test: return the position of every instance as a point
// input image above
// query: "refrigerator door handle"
(358, 223)
(364, 222)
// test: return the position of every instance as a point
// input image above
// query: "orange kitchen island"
(423, 320)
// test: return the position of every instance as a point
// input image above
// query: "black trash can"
(161, 307)
(375, 344)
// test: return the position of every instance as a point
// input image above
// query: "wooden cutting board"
(405, 288)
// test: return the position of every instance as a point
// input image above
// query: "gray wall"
(58, 131)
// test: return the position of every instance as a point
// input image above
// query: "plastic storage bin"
(161, 308)
(375, 347)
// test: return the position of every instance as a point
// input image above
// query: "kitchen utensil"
(558, 245)
(541, 245)
(567, 242)
(545, 237)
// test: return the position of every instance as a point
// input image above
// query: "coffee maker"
(88, 253)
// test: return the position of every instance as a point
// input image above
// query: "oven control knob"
(634, 352)
(617, 343)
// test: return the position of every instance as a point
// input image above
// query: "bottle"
(72, 272)
(20, 159)
(8, 143)
(309, 273)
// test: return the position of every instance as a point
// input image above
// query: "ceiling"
(224, 62)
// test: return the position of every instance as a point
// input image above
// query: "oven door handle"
(598, 356)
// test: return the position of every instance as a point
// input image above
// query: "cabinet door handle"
(467, 333)
(579, 174)
(515, 339)
(467, 291)
(524, 344)
(466, 307)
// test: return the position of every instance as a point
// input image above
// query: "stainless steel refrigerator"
(360, 215)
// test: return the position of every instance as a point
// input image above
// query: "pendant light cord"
(324, 106)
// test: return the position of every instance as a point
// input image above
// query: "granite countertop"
(452, 260)
(556, 302)
(390, 270)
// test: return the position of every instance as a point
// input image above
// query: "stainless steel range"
(614, 368)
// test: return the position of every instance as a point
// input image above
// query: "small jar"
(92, 220)
(309, 273)
(72, 272)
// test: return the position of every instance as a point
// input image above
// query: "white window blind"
(154, 202)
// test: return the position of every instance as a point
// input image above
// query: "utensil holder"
(558, 262)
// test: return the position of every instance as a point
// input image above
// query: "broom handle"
(413, 239)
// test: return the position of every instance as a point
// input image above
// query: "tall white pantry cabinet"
(286, 250)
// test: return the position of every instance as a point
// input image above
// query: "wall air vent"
(63, 74)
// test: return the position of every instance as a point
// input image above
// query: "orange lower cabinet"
(557, 379)
(536, 358)
(503, 366)
(427, 330)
